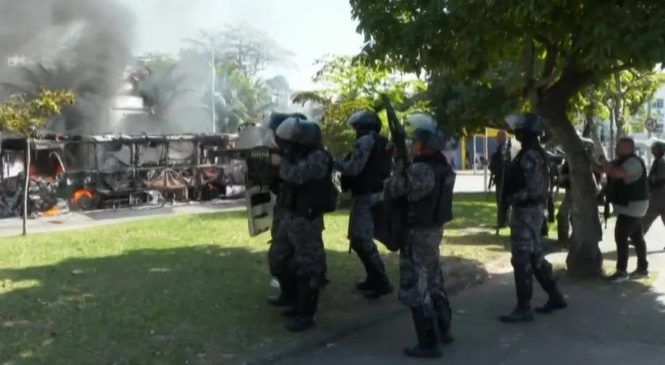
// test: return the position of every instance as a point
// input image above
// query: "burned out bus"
(113, 171)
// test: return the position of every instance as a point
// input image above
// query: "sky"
(308, 28)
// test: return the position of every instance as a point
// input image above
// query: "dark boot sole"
(551, 309)
(418, 353)
(298, 327)
(447, 340)
(376, 294)
(516, 319)
(290, 313)
(276, 303)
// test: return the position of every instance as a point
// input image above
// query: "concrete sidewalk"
(79, 220)
(605, 324)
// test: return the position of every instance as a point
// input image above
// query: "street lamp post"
(213, 87)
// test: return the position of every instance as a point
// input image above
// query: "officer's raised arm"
(314, 167)
(367, 126)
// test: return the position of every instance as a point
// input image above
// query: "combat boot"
(428, 346)
(523, 289)
(545, 277)
(303, 317)
(552, 304)
(377, 283)
(379, 290)
(443, 319)
(519, 315)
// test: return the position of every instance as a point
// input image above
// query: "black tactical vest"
(377, 168)
(436, 208)
(620, 193)
(310, 199)
(516, 181)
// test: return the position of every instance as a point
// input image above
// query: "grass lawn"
(179, 290)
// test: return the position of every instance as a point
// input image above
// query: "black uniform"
(499, 161)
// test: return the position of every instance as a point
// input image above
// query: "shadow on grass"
(202, 304)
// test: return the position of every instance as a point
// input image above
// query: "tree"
(240, 99)
(158, 82)
(241, 54)
(623, 96)
(556, 48)
(56, 77)
(24, 117)
(281, 90)
(468, 105)
(249, 49)
(349, 85)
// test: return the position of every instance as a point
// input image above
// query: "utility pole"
(213, 103)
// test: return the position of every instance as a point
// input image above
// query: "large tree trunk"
(26, 186)
(584, 259)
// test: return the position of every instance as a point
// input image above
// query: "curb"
(453, 286)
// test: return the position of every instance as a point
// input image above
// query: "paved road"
(605, 324)
(467, 182)
(72, 221)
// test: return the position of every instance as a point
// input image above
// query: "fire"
(80, 193)
(52, 212)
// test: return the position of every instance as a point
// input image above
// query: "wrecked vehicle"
(114, 171)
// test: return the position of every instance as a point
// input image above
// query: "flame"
(80, 193)
(52, 212)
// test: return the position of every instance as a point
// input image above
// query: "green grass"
(179, 290)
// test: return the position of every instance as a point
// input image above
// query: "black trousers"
(501, 207)
(630, 227)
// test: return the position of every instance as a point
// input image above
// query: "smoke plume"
(67, 44)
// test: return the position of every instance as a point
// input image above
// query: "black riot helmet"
(299, 131)
(426, 131)
(528, 127)
(365, 121)
(277, 118)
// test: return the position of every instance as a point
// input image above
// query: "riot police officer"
(427, 184)
(527, 190)
(363, 172)
(279, 251)
(305, 170)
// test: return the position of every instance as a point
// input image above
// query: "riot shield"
(255, 144)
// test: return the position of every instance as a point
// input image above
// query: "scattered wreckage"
(113, 171)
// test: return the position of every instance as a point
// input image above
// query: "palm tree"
(159, 89)
(240, 99)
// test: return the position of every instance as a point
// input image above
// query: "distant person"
(363, 172)
(628, 191)
(656, 187)
(526, 190)
(499, 161)
(428, 186)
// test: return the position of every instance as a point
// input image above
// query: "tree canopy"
(349, 85)
(538, 54)
(535, 46)
(25, 116)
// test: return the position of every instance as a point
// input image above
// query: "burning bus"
(113, 171)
